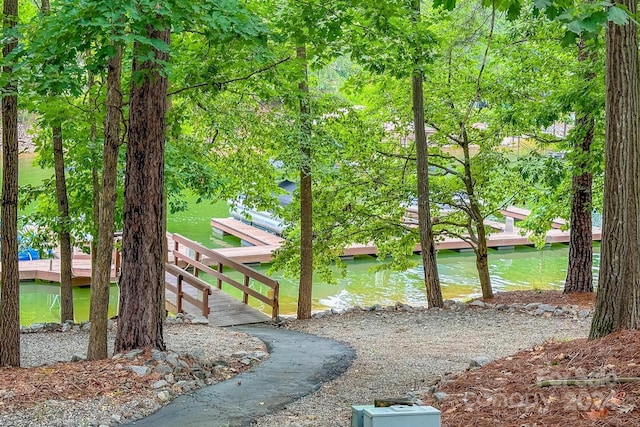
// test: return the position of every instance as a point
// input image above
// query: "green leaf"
(569, 38)
(618, 16)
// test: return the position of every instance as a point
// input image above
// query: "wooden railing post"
(205, 303)
(275, 308)
(176, 247)
(179, 297)
(245, 296)
(196, 271)
(219, 271)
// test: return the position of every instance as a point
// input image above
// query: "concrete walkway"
(298, 364)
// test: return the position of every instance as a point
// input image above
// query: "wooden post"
(245, 297)
(179, 296)
(176, 247)
(275, 308)
(205, 303)
(196, 272)
(220, 271)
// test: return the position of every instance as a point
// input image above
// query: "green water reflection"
(522, 268)
(40, 302)
(518, 269)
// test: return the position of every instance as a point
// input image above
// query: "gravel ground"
(397, 352)
(400, 352)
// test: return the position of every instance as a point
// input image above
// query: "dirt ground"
(589, 386)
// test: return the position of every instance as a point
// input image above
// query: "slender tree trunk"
(100, 284)
(142, 279)
(481, 250)
(66, 293)
(618, 298)
(482, 261)
(10, 277)
(579, 269)
(305, 289)
(427, 245)
(95, 174)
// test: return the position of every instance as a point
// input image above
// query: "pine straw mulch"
(504, 392)
(24, 387)
(557, 298)
(21, 388)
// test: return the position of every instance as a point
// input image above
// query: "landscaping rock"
(163, 369)
(200, 321)
(479, 361)
(140, 371)
(164, 396)
(133, 354)
(477, 303)
(77, 358)
(160, 384)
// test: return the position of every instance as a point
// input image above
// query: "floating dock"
(263, 247)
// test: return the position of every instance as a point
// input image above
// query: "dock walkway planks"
(521, 213)
(264, 253)
(225, 309)
(49, 270)
(246, 232)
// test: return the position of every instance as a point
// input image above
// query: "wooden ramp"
(225, 310)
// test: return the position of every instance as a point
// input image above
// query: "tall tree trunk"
(142, 279)
(618, 298)
(305, 289)
(579, 269)
(100, 283)
(64, 236)
(10, 277)
(427, 245)
(95, 178)
(66, 293)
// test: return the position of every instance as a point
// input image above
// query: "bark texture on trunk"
(477, 219)
(10, 277)
(482, 261)
(64, 236)
(579, 272)
(618, 298)
(142, 279)
(305, 289)
(100, 283)
(427, 244)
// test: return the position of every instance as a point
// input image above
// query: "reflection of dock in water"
(259, 245)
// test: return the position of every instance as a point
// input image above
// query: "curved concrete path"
(298, 364)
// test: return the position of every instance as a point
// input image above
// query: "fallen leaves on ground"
(504, 393)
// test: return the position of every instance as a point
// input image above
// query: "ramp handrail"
(182, 278)
(223, 263)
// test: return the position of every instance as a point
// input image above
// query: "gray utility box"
(357, 413)
(401, 416)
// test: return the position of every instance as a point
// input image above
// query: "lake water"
(521, 268)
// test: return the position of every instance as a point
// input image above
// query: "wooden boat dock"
(263, 249)
(49, 270)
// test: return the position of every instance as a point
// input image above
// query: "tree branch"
(234, 80)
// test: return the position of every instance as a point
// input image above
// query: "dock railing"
(183, 278)
(202, 260)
